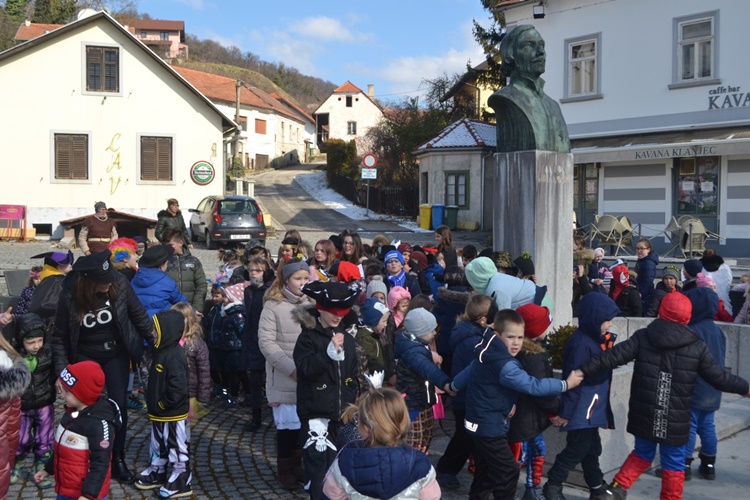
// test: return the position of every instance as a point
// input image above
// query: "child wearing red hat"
(84, 437)
(668, 359)
(532, 415)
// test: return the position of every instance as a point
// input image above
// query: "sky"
(393, 44)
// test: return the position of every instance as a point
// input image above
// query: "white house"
(347, 114)
(273, 133)
(656, 97)
(93, 114)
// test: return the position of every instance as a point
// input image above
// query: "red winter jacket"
(13, 381)
(83, 450)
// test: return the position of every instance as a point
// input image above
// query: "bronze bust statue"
(527, 118)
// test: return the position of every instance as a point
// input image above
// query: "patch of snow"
(315, 185)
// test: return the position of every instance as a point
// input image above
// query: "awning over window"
(681, 144)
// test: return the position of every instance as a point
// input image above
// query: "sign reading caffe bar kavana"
(725, 97)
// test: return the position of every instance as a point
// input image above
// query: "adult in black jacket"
(668, 359)
(99, 318)
(46, 296)
(171, 218)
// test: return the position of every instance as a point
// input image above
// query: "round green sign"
(202, 173)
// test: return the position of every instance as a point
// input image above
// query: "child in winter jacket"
(37, 410)
(532, 413)
(668, 359)
(380, 465)
(584, 410)
(493, 383)
(168, 399)
(224, 325)
(624, 293)
(14, 378)
(91, 420)
(196, 351)
(156, 291)
(373, 318)
(327, 369)
(417, 375)
(466, 335)
(705, 281)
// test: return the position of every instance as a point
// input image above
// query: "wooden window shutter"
(94, 68)
(156, 158)
(260, 126)
(71, 157)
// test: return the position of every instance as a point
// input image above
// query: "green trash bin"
(425, 216)
(451, 217)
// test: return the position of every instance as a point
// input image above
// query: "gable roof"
(348, 88)
(463, 133)
(33, 30)
(465, 78)
(158, 24)
(222, 88)
(292, 105)
(228, 124)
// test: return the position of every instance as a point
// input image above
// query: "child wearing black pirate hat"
(326, 362)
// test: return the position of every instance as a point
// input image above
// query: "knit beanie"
(693, 267)
(290, 268)
(100, 204)
(703, 280)
(419, 322)
(397, 294)
(375, 286)
(676, 307)
(85, 380)
(372, 311)
(394, 254)
(536, 320)
(348, 272)
(671, 271)
(405, 248)
(479, 272)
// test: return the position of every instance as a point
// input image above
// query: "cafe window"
(698, 185)
(695, 50)
(582, 67)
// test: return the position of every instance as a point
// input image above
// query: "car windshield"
(237, 207)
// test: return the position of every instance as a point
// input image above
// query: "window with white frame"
(696, 49)
(102, 69)
(457, 189)
(351, 128)
(583, 67)
(71, 157)
(156, 158)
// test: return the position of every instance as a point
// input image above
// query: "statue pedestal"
(533, 212)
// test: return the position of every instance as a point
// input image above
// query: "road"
(293, 208)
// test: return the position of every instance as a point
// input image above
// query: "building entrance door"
(585, 192)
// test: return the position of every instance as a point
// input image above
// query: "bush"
(557, 340)
(342, 158)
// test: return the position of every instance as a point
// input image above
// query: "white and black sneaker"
(151, 479)
(178, 485)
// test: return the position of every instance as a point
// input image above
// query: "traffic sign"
(369, 173)
(369, 160)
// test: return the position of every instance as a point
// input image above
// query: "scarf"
(31, 362)
(397, 280)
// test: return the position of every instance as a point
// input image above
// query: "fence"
(394, 200)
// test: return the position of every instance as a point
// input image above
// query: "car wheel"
(210, 244)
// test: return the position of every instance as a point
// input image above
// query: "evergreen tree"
(15, 10)
(54, 11)
(489, 39)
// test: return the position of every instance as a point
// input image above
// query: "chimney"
(27, 23)
(371, 91)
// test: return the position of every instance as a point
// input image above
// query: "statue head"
(522, 52)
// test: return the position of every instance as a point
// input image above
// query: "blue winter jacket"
(156, 291)
(492, 383)
(465, 337)
(646, 269)
(450, 303)
(587, 406)
(430, 275)
(382, 472)
(417, 375)
(705, 305)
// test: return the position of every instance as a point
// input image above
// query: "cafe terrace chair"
(607, 230)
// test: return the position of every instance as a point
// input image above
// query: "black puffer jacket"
(652, 308)
(168, 395)
(531, 417)
(668, 359)
(187, 271)
(41, 390)
(253, 358)
(167, 220)
(324, 387)
(133, 324)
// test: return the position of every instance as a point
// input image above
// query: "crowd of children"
(358, 349)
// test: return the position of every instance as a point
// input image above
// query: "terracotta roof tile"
(158, 24)
(347, 87)
(34, 30)
(222, 88)
(292, 105)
